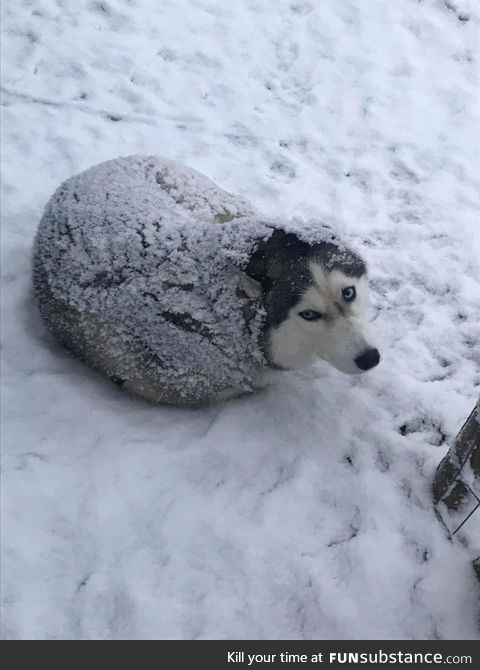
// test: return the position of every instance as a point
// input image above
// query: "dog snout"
(368, 360)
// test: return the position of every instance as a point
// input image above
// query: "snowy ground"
(304, 512)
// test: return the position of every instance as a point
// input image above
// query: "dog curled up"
(183, 294)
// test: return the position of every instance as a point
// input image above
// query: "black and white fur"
(315, 296)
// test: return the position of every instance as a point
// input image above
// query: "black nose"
(368, 360)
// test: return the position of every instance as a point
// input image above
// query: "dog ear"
(250, 286)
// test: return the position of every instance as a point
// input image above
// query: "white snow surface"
(304, 511)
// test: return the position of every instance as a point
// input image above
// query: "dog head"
(315, 297)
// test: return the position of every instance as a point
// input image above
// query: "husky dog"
(315, 296)
(182, 294)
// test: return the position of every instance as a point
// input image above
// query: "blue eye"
(349, 293)
(310, 315)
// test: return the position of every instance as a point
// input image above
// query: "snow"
(305, 511)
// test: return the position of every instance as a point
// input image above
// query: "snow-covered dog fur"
(183, 294)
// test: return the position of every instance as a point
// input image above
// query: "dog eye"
(310, 315)
(349, 293)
